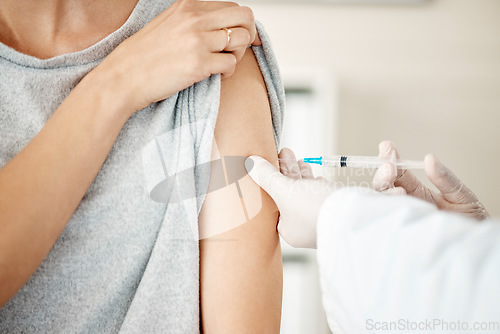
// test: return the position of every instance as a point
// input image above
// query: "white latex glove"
(296, 192)
(452, 194)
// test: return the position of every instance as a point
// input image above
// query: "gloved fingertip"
(250, 163)
(393, 156)
(385, 148)
(287, 154)
(446, 181)
(262, 172)
(433, 166)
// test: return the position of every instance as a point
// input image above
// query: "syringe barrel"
(368, 162)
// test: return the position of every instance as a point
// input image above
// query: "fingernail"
(393, 156)
(249, 164)
(442, 168)
(438, 166)
(384, 148)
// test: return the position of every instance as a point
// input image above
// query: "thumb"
(257, 40)
(387, 150)
(445, 180)
(267, 176)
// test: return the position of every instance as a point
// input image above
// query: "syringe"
(362, 162)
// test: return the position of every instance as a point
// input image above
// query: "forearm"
(41, 187)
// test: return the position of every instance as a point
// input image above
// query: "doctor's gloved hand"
(296, 192)
(452, 194)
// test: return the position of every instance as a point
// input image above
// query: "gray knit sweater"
(124, 263)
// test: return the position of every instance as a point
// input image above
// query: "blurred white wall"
(425, 76)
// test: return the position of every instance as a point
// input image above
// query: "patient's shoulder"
(244, 124)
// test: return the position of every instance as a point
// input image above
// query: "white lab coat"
(397, 262)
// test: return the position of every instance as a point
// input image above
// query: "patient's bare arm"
(241, 270)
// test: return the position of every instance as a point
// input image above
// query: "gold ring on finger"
(228, 34)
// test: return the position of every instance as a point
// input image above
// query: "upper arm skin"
(241, 269)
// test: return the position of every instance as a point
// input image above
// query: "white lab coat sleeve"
(396, 261)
